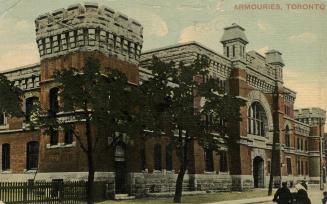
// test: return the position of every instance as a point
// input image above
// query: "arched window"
(53, 101)
(29, 103)
(32, 155)
(5, 157)
(2, 119)
(157, 157)
(208, 157)
(257, 120)
(287, 136)
(169, 157)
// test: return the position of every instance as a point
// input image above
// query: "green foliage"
(10, 98)
(169, 97)
(107, 101)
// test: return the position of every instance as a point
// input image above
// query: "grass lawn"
(203, 198)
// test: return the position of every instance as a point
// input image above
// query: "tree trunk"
(181, 173)
(179, 185)
(90, 161)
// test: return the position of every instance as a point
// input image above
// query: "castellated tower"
(315, 118)
(66, 36)
(65, 39)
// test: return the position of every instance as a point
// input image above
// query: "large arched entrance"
(258, 172)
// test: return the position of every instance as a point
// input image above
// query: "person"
(283, 195)
(304, 184)
(302, 195)
(324, 200)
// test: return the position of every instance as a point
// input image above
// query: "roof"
(234, 32)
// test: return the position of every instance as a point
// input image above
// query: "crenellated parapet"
(310, 116)
(89, 27)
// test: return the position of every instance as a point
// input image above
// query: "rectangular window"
(208, 156)
(298, 143)
(5, 157)
(68, 136)
(298, 167)
(289, 166)
(53, 136)
(2, 119)
(223, 161)
(32, 155)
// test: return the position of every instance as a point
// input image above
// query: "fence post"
(25, 192)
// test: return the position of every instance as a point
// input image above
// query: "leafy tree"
(103, 103)
(10, 98)
(171, 93)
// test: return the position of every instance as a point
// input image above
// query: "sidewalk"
(246, 201)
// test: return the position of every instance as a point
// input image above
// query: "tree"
(170, 95)
(10, 100)
(103, 102)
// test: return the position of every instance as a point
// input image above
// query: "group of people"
(284, 196)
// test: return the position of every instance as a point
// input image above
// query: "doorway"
(258, 172)
(121, 170)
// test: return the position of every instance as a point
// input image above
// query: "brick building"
(66, 37)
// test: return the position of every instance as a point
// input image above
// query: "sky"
(299, 34)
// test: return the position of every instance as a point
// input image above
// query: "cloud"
(14, 26)
(19, 55)
(263, 50)
(152, 23)
(265, 27)
(207, 33)
(306, 37)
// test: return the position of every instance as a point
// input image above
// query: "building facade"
(66, 37)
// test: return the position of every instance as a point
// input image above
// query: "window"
(298, 167)
(29, 103)
(298, 143)
(223, 161)
(302, 147)
(289, 166)
(306, 146)
(53, 136)
(227, 51)
(53, 101)
(169, 157)
(208, 157)
(143, 158)
(68, 136)
(157, 157)
(268, 167)
(32, 155)
(5, 157)
(306, 168)
(302, 168)
(233, 50)
(2, 119)
(257, 120)
(287, 136)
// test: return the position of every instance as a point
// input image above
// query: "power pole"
(321, 156)
(275, 137)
